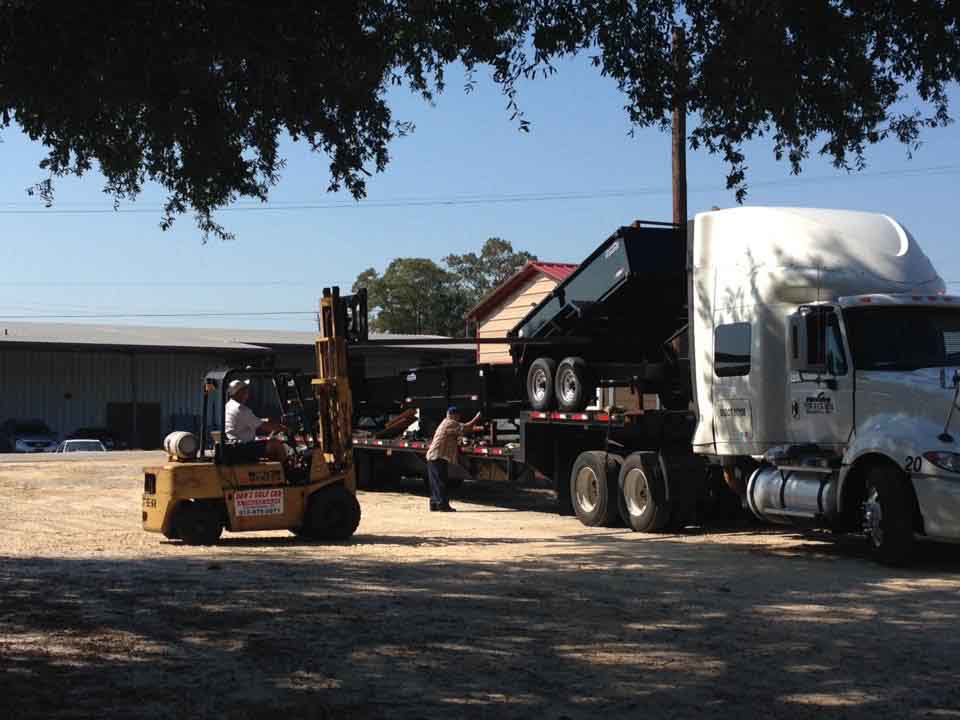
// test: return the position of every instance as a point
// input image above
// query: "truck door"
(820, 397)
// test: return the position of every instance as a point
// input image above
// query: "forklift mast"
(342, 319)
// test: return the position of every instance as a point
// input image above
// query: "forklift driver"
(241, 426)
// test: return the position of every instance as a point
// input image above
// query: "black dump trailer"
(617, 321)
(620, 320)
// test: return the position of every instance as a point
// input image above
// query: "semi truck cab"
(826, 374)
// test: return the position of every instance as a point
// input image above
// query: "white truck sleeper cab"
(825, 365)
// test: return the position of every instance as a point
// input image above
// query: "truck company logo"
(821, 404)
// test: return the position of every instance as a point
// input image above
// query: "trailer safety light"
(580, 416)
(538, 415)
(944, 460)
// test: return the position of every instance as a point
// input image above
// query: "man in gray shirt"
(442, 452)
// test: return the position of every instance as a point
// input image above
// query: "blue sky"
(465, 145)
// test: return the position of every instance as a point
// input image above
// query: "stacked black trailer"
(618, 321)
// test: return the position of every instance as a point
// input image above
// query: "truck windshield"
(902, 337)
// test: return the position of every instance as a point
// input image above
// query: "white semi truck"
(811, 367)
(826, 354)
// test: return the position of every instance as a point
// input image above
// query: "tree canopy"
(418, 296)
(195, 94)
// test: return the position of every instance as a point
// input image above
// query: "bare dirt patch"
(500, 610)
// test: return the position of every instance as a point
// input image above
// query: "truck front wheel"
(593, 488)
(887, 515)
(642, 494)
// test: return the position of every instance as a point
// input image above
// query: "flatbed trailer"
(581, 455)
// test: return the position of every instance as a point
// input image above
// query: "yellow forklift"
(197, 494)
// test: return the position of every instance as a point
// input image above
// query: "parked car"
(109, 440)
(27, 436)
(81, 445)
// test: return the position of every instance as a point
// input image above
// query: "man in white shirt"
(241, 427)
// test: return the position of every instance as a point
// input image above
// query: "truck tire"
(593, 488)
(642, 495)
(887, 514)
(540, 390)
(574, 386)
(198, 523)
(333, 513)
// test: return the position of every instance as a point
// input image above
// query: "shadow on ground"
(601, 626)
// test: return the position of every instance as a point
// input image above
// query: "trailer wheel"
(540, 383)
(333, 513)
(593, 488)
(574, 386)
(641, 494)
(197, 523)
(887, 515)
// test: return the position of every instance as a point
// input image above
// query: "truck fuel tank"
(792, 495)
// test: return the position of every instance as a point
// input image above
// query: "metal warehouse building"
(142, 382)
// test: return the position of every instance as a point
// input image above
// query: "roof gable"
(555, 271)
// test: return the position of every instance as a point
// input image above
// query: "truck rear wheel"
(642, 494)
(540, 378)
(888, 515)
(593, 488)
(333, 513)
(574, 387)
(198, 523)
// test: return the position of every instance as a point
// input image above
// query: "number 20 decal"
(913, 464)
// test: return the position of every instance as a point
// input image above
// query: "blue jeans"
(437, 475)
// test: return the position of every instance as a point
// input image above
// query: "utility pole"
(680, 73)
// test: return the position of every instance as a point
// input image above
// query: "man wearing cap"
(442, 452)
(241, 426)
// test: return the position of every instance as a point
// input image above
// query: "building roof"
(555, 271)
(137, 337)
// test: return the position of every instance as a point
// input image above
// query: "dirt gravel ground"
(500, 610)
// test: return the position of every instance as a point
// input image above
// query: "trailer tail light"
(579, 416)
(602, 417)
(150, 483)
(538, 415)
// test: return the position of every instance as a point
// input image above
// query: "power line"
(109, 316)
(172, 283)
(11, 208)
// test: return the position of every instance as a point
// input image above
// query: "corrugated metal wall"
(69, 390)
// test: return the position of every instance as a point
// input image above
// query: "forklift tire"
(593, 488)
(887, 514)
(540, 383)
(197, 524)
(574, 387)
(332, 514)
(641, 494)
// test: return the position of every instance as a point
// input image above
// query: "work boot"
(441, 508)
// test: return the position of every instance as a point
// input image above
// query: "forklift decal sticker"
(820, 405)
(256, 503)
(262, 477)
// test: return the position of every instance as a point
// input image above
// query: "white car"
(71, 446)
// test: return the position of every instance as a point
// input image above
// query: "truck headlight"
(944, 460)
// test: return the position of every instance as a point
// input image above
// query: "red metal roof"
(558, 271)
(555, 271)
